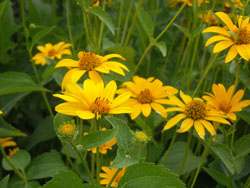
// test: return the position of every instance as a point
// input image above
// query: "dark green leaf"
(184, 31)
(218, 176)
(4, 182)
(104, 16)
(146, 22)
(7, 130)
(242, 147)
(14, 82)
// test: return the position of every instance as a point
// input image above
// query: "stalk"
(68, 25)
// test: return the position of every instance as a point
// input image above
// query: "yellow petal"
(146, 110)
(69, 108)
(110, 90)
(231, 54)
(173, 121)
(208, 126)
(217, 119)
(215, 39)
(85, 114)
(67, 63)
(243, 52)
(199, 128)
(176, 101)
(76, 75)
(186, 125)
(136, 111)
(66, 97)
(216, 29)
(185, 98)
(237, 97)
(109, 56)
(120, 110)
(120, 99)
(225, 18)
(222, 46)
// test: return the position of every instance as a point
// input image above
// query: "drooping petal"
(216, 29)
(225, 18)
(186, 125)
(231, 54)
(222, 46)
(199, 128)
(208, 126)
(215, 39)
(173, 121)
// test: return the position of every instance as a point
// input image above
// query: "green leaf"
(14, 82)
(224, 154)
(4, 181)
(146, 22)
(175, 158)
(241, 146)
(104, 16)
(8, 28)
(7, 130)
(184, 30)
(40, 34)
(64, 179)
(218, 176)
(95, 139)
(46, 165)
(149, 175)
(20, 160)
(162, 47)
(43, 132)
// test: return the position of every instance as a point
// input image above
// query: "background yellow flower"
(109, 173)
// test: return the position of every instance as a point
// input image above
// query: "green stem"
(233, 133)
(169, 149)
(151, 43)
(98, 165)
(68, 24)
(114, 176)
(126, 21)
(190, 134)
(209, 66)
(20, 174)
(132, 24)
(119, 21)
(100, 34)
(236, 81)
(247, 184)
(3, 7)
(203, 157)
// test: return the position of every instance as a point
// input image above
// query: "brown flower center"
(145, 97)
(89, 61)
(243, 37)
(51, 53)
(100, 106)
(225, 107)
(195, 110)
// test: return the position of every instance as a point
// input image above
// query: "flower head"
(93, 100)
(51, 52)
(226, 101)
(7, 142)
(91, 63)
(67, 128)
(194, 112)
(108, 175)
(235, 37)
(147, 93)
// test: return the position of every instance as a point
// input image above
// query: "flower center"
(195, 110)
(51, 53)
(145, 97)
(67, 128)
(100, 106)
(225, 107)
(243, 37)
(89, 61)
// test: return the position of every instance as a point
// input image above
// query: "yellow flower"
(209, 18)
(235, 2)
(12, 152)
(7, 142)
(147, 93)
(1, 112)
(91, 63)
(51, 52)
(226, 101)
(195, 112)
(104, 147)
(231, 35)
(93, 100)
(108, 175)
(173, 3)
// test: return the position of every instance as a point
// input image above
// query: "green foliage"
(4, 182)
(8, 130)
(146, 22)
(149, 175)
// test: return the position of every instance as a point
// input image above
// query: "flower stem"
(114, 176)
(186, 152)
(68, 24)
(126, 21)
(119, 21)
(203, 157)
(98, 166)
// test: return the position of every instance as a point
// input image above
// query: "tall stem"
(119, 21)
(98, 166)
(68, 24)
(126, 21)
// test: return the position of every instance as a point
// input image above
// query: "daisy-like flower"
(93, 100)
(209, 18)
(173, 3)
(226, 101)
(51, 52)
(147, 93)
(104, 147)
(108, 175)
(235, 3)
(7, 142)
(194, 112)
(12, 152)
(231, 35)
(89, 62)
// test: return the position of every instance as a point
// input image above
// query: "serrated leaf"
(7, 130)
(184, 31)
(146, 22)
(46, 165)
(64, 179)
(40, 34)
(20, 160)
(14, 82)
(149, 175)
(162, 47)
(95, 139)
(4, 181)
(104, 16)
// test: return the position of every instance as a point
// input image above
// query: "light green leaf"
(149, 175)
(7, 130)
(46, 165)
(162, 47)
(184, 31)
(95, 139)
(40, 34)
(4, 181)
(20, 160)
(104, 16)
(64, 179)
(146, 22)
(14, 82)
